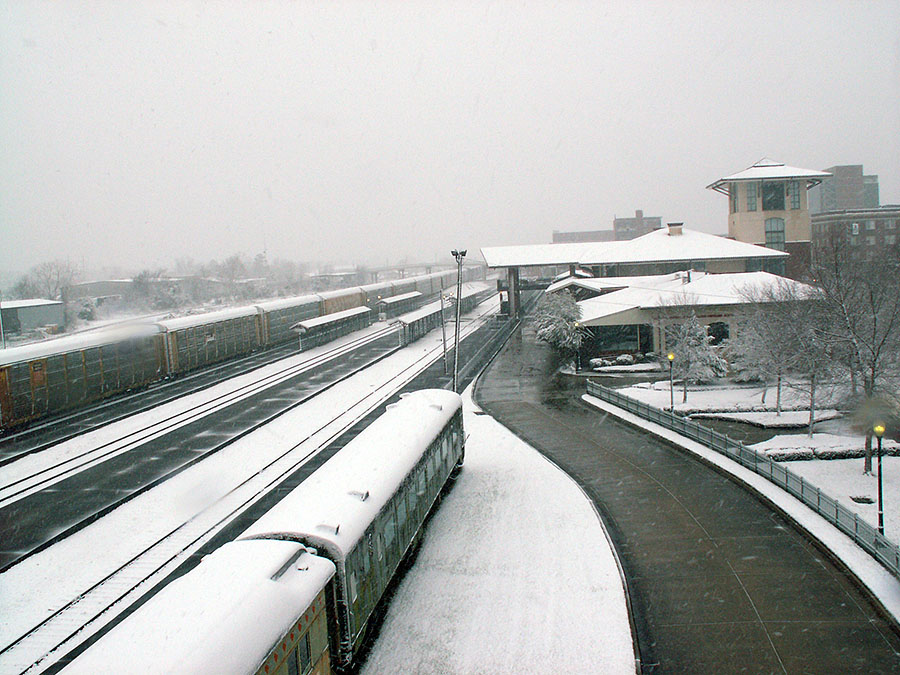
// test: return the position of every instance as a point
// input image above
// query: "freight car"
(319, 561)
(65, 373)
(48, 377)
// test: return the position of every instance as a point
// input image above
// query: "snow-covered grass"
(819, 446)
(514, 575)
(718, 398)
(788, 419)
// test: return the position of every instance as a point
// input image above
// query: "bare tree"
(755, 352)
(46, 280)
(861, 299)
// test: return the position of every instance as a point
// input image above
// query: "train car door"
(39, 386)
(5, 403)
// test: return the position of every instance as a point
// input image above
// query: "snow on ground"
(723, 399)
(788, 419)
(844, 479)
(31, 590)
(884, 585)
(820, 446)
(515, 574)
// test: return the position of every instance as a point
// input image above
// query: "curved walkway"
(719, 582)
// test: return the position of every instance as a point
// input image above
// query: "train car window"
(390, 529)
(379, 546)
(351, 585)
(401, 511)
(303, 653)
(291, 662)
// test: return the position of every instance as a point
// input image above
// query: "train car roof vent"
(363, 496)
(329, 528)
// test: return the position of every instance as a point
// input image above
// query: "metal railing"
(867, 537)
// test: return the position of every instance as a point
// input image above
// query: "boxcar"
(279, 315)
(250, 607)
(338, 301)
(52, 376)
(365, 507)
(203, 339)
(374, 292)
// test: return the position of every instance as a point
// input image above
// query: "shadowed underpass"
(719, 582)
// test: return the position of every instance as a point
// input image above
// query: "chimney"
(675, 229)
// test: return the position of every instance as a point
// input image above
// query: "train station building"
(671, 249)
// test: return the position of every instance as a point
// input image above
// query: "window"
(773, 196)
(733, 193)
(870, 225)
(751, 196)
(794, 192)
(892, 224)
(870, 240)
(890, 239)
(854, 229)
(775, 233)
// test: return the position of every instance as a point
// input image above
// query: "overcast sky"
(362, 132)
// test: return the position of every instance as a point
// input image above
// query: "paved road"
(718, 581)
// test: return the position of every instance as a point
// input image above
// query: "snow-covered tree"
(556, 319)
(696, 360)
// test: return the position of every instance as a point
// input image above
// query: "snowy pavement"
(515, 574)
(883, 585)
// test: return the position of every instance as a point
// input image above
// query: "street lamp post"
(671, 357)
(879, 432)
(459, 255)
(443, 328)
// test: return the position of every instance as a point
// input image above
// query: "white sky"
(138, 132)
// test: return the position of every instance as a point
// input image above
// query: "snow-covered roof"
(71, 343)
(208, 317)
(394, 299)
(34, 302)
(284, 303)
(703, 289)
(338, 502)
(769, 169)
(329, 318)
(246, 596)
(656, 246)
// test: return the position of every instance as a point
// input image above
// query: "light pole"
(443, 328)
(459, 255)
(879, 432)
(671, 357)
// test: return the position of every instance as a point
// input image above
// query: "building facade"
(847, 188)
(631, 228)
(582, 237)
(867, 234)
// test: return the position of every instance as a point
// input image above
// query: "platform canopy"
(660, 246)
(770, 169)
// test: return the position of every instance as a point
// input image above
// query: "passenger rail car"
(364, 509)
(65, 373)
(249, 607)
(296, 592)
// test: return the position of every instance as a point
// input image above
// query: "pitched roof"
(769, 169)
(656, 246)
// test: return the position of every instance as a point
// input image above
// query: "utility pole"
(443, 328)
(459, 255)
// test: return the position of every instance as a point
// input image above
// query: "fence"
(877, 545)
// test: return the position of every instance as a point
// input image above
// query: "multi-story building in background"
(847, 188)
(866, 234)
(582, 237)
(768, 205)
(631, 228)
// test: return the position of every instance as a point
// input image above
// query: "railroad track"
(42, 474)
(78, 620)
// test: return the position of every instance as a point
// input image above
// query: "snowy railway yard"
(517, 542)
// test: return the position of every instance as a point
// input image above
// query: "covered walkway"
(719, 582)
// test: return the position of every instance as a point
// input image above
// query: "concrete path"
(719, 582)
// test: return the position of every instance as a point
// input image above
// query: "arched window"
(775, 233)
